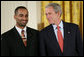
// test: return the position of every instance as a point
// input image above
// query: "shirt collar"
(19, 29)
(61, 25)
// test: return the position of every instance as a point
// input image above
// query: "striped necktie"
(23, 38)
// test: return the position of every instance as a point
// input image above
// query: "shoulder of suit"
(46, 28)
(7, 33)
(32, 29)
(71, 24)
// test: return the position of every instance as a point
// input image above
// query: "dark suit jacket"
(72, 41)
(12, 44)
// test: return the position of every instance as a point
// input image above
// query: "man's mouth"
(24, 21)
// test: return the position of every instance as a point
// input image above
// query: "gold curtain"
(72, 12)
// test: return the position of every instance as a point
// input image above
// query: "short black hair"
(20, 7)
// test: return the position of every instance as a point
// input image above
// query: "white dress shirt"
(61, 28)
(19, 30)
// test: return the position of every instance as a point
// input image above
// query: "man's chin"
(51, 23)
(23, 25)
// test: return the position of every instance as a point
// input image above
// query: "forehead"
(49, 9)
(22, 11)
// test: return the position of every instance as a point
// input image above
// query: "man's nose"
(25, 18)
(48, 16)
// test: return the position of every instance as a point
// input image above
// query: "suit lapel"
(19, 41)
(51, 33)
(52, 37)
(29, 36)
(66, 36)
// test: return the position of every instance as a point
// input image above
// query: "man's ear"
(59, 13)
(15, 17)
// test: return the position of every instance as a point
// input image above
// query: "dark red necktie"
(60, 38)
(23, 38)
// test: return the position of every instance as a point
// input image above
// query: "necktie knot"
(58, 27)
(22, 31)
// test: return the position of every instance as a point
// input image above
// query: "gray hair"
(56, 7)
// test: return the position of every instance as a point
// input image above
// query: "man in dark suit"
(59, 38)
(11, 41)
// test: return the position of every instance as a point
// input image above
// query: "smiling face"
(51, 15)
(21, 18)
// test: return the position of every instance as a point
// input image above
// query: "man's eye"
(49, 13)
(26, 16)
(21, 15)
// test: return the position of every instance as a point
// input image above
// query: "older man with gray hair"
(59, 38)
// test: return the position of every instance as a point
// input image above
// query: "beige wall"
(7, 13)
